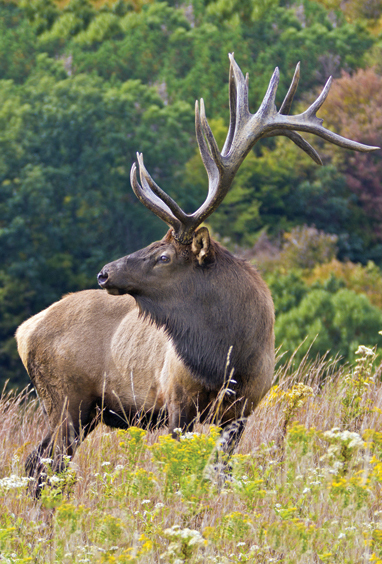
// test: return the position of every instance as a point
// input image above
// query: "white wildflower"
(105, 463)
(46, 460)
(352, 440)
(12, 482)
(144, 501)
(55, 479)
(364, 350)
(190, 535)
(188, 436)
(337, 466)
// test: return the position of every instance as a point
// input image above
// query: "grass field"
(306, 483)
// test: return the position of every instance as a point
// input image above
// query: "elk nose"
(102, 277)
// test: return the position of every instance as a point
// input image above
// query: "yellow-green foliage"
(361, 279)
(323, 305)
(305, 485)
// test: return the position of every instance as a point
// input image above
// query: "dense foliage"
(83, 86)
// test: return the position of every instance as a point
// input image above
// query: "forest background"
(84, 85)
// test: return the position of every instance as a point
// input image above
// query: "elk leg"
(52, 450)
(231, 435)
(33, 464)
(229, 439)
(179, 417)
(69, 431)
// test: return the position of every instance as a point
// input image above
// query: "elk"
(185, 329)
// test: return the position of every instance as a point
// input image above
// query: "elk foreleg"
(231, 435)
(229, 439)
(54, 450)
(181, 412)
(179, 418)
(50, 453)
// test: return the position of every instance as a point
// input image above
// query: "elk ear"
(201, 244)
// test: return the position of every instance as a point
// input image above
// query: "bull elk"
(184, 326)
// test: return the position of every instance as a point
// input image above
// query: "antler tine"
(149, 183)
(232, 110)
(150, 199)
(213, 146)
(309, 122)
(287, 103)
(239, 88)
(268, 106)
(313, 108)
(219, 166)
(203, 148)
(299, 141)
(238, 102)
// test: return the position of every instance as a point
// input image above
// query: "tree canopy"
(84, 85)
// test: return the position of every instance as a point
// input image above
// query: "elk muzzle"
(105, 280)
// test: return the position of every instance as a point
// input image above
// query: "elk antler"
(244, 131)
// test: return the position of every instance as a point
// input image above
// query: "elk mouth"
(116, 292)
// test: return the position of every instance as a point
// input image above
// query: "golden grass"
(305, 485)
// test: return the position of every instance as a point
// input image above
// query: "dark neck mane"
(217, 309)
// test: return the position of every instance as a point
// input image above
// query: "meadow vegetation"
(305, 485)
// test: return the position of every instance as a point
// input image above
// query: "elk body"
(185, 329)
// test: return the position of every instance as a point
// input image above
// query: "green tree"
(85, 86)
(338, 322)
(17, 43)
(66, 207)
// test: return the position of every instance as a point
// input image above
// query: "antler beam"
(244, 131)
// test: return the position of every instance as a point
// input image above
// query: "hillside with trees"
(84, 85)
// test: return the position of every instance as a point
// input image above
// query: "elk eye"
(164, 258)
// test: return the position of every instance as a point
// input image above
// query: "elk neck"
(221, 307)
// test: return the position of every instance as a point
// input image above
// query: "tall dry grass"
(305, 486)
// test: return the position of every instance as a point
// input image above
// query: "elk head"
(184, 245)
